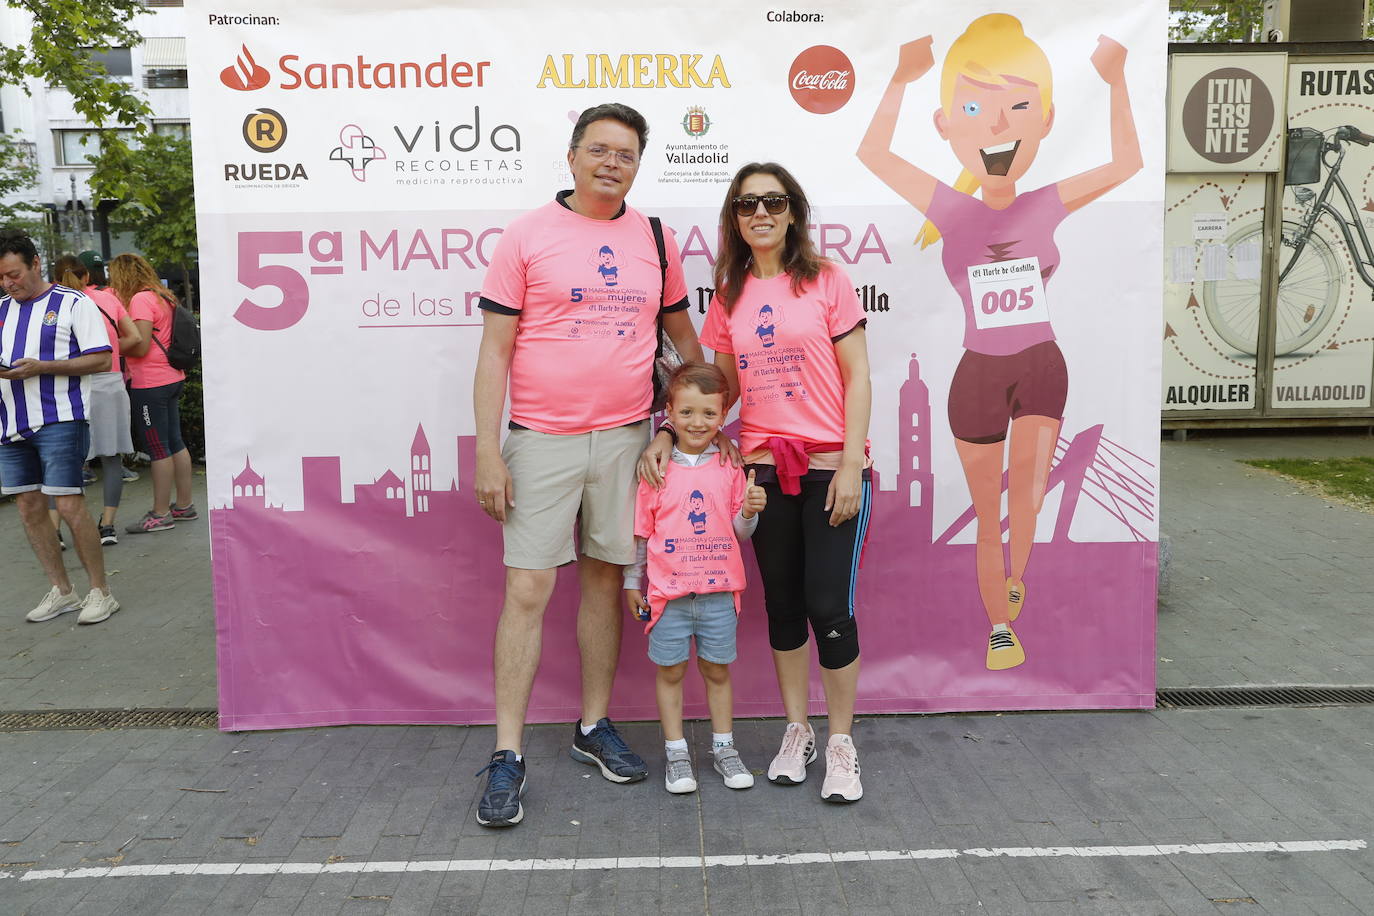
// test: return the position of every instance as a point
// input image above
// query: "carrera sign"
(358, 73)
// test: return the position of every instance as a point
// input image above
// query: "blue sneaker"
(500, 805)
(605, 748)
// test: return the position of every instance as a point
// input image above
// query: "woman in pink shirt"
(109, 411)
(788, 332)
(999, 255)
(155, 390)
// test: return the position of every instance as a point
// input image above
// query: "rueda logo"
(821, 79)
(264, 130)
(245, 74)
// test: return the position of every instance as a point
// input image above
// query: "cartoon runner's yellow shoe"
(1004, 649)
(1016, 597)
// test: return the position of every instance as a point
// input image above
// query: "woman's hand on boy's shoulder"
(729, 451)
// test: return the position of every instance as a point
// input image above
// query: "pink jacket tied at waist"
(789, 455)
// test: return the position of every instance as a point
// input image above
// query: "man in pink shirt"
(574, 344)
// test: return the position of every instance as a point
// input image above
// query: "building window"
(164, 78)
(164, 63)
(116, 60)
(180, 129)
(70, 150)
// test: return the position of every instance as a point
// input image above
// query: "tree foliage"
(18, 173)
(63, 33)
(1222, 20)
(162, 215)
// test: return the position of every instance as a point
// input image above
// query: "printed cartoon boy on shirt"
(695, 507)
(767, 323)
(607, 267)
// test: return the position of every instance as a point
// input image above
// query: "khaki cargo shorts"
(585, 480)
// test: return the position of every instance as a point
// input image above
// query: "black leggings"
(810, 569)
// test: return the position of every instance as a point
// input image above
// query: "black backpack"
(184, 350)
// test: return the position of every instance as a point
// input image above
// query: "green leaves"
(155, 182)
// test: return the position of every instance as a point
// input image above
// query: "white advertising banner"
(355, 168)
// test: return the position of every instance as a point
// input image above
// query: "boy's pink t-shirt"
(113, 309)
(689, 526)
(784, 349)
(587, 293)
(151, 370)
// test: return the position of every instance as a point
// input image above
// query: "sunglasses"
(772, 203)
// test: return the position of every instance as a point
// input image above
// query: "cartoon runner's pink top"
(784, 348)
(999, 261)
(581, 317)
(689, 525)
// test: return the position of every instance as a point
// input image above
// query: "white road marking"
(636, 862)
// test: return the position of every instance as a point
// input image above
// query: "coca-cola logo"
(245, 74)
(821, 79)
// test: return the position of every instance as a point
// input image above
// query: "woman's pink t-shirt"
(151, 370)
(689, 526)
(784, 349)
(113, 310)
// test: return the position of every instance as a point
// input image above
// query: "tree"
(1222, 20)
(162, 215)
(63, 34)
(18, 173)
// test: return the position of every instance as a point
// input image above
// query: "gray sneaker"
(728, 765)
(53, 604)
(678, 777)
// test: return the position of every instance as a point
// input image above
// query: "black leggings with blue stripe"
(810, 569)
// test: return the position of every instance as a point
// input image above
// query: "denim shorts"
(710, 618)
(49, 460)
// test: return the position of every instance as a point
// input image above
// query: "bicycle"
(1312, 277)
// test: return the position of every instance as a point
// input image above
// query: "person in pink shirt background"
(109, 410)
(155, 391)
(999, 254)
(788, 332)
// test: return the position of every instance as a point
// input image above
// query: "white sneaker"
(731, 768)
(97, 606)
(841, 771)
(53, 603)
(798, 749)
(677, 777)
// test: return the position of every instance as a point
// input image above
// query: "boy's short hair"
(704, 377)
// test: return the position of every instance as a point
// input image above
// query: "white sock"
(679, 744)
(722, 739)
(841, 739)
(587, 729)
(1000, 628)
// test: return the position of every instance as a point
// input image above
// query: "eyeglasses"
(772, 203)
(599, 152)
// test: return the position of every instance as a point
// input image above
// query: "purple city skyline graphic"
(383, 609)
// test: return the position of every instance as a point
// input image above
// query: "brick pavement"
(1265, 587)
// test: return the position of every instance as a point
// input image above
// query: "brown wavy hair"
(704, 377)
(68, 271)
(800, 259)
(131, 274)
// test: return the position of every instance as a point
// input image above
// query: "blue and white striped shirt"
(60, 324)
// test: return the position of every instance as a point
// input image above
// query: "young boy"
(688, 532)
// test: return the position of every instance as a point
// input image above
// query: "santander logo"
(245, 74)
(821, 79)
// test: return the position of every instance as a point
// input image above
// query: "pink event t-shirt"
(152, 370)
(113, 310)
(587, 294)
(783, 344)
(977, 236)
(689, 526)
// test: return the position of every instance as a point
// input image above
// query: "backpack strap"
(657, 226)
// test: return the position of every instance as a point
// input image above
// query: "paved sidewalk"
(1159, 812)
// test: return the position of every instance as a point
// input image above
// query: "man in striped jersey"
(51, 338)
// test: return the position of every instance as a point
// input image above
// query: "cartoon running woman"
(609, 272)
(999, 254)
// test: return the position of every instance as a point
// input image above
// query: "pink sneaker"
(841, 771)
(798, 749)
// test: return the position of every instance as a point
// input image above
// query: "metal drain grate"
(48, 719)
(1199, 697)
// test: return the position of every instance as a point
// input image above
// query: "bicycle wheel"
(1307, 295)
